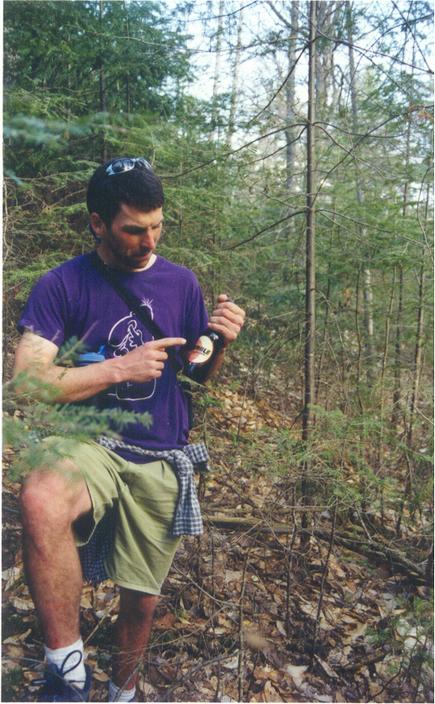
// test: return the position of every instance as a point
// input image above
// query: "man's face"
(129, 242)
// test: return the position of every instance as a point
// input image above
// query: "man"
(64, 498)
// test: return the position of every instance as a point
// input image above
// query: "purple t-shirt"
(74, 300)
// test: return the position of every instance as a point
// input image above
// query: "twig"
(253, 119)
(240, 666)
(267, 228)
(194, 670)
(372, 549)
(289, 557)
(322, 586)
(97, 627)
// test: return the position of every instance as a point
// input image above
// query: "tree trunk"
(419, 338)
(101, 78)
(310, 282)
(235, 83)
(290, 94)
(127, 78)
(367, 276)
(397, 391)
(217, 70)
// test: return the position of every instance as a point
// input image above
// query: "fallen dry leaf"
(22, 604)
(297, 673)
(355, 633)
(12, 575)
(255, 639)
(266, 673)
(14, 651)
(326, 668)
(281, 628)
(271, 693)
(165, 622)
(146, 688)
(231, 663)
(17, 639)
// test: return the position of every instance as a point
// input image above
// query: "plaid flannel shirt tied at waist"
(187, 516)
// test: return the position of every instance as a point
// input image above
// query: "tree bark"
(127, 78)
(217, 70)
(397, 390)
(235, 83)
(310, 274)
(290, 94)
(418, 355)
(367, 276)
(101, 79)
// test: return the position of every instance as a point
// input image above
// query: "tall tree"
(235, 81)
(290, 95)
(310, 280)
(359, 193)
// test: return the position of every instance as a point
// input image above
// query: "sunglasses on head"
(120, 166)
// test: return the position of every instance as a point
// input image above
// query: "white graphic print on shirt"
(125, 336)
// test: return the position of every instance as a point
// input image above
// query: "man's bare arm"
(36, 356)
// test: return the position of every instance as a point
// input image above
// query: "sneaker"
(57, 689)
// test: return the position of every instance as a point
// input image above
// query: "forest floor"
(249, 612)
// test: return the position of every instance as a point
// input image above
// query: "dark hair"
(139, 187)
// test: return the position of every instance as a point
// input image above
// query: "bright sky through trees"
(259, 22)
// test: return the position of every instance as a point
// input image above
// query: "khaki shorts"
(144, 497)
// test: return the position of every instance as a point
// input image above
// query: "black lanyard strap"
(141, 312)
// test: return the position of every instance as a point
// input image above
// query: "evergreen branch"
(422, 225)
(229, 153)
(359, 134)
(267, 228)
(346, 150)
(367, 225)
(358, 143)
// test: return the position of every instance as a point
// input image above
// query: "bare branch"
(364, 51)
(279, 15)
(266, 229)
(235, 151)
(253, 119)
(367, 225)
(357, 144)
(358, 134)
(413, 35)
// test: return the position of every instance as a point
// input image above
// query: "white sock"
(74, 666)
(118, 694)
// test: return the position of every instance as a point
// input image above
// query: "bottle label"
(202, 351)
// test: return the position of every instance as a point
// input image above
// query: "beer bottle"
(201, 357)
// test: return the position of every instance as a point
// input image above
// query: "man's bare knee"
(58, 495)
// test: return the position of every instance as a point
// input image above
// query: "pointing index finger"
(168, 342)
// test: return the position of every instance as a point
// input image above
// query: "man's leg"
(132, 633)
(51, 500)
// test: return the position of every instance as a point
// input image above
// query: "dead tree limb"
(373, 549)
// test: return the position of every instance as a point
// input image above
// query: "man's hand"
(36, 356)
(227, 318)
(145, 363)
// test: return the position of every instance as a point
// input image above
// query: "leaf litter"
(239, 617)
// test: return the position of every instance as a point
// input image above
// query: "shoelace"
(55, 676)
